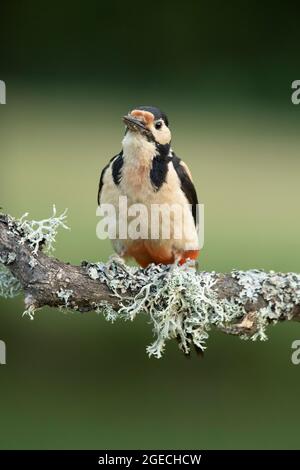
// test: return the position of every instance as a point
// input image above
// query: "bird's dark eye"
(158, 125)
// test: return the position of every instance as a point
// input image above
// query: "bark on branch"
(237, 302)
(42, 276)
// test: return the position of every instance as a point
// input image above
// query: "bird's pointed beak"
(139, 121)
(133, 123)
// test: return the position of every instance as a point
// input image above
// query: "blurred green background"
(222, 72)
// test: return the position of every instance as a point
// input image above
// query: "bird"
(148, 172)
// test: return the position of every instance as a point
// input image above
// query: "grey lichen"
(65, 295)
(37, 232)
(30, 311)
(32, 262)
(7, 257)
(9, 286)
(279, 292)
(184, 304)
(180, 303)
(106, 309)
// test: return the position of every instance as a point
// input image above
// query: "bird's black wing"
(118, 156)
(187, 185)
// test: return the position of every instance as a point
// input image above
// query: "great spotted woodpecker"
(148, 172)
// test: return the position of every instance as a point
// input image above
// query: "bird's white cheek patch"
(163, 136)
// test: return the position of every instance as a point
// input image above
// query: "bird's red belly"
(145, 252)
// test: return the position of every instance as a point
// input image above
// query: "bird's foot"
(117, 258)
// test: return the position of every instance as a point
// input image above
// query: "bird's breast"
(138, 157)
(136, 178)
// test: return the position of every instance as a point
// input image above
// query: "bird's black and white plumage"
(148, 172)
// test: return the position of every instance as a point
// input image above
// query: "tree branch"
(43, 277)
(180, 301)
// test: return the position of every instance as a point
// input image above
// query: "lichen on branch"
(178, 301)
(37, 232)
(184, 304)
(9, 286)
